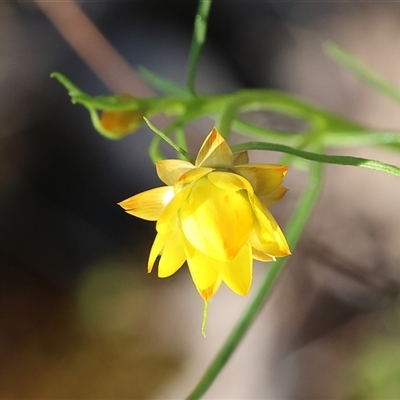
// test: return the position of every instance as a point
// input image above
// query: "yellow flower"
(214, 215)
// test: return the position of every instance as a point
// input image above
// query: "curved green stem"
(259, 132)
(294, 230)
(321, 158)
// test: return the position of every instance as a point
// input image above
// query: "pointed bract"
(169, 171)
(264, 178)
(214, 152)
(173, 255)
(237, 273)
(240, 158)
(148, 205)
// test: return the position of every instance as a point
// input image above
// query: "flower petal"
(272, 198)
(241, 158)
(215, 152)
(260, 256)
(268, 232)
(148, 205)
(173, 255)
(216, 221)
(229, 181)
(156, 249)
(203, 269)
(208, 293)
(265, 178)
(260, 250)
(237, 273)
(166, 220)
(193, 175)
(169, 171)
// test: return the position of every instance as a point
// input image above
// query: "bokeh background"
(79, 316)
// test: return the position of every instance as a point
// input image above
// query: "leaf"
(321, 158)
(359, 69)
(162, 84)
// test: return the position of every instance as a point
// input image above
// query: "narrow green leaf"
(73, 90)
(321, 158)
(370, 77)
(199, 37)
(163, 136)
(164, 85)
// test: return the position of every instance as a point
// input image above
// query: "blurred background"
(79, 316)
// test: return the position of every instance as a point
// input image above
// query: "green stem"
(205, 316)
(164, 85)
(155, 152)
(322, 158)
(184, 153)
(181, 141)
(363, 72)
(366, 138)
(199, 37)
(294, 230)
(260, 132)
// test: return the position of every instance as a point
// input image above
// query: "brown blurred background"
(79, 316)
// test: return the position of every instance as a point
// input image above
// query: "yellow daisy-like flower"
(214, 215)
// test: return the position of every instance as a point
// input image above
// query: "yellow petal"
(261, 256)
(214, 152)
(173, 255)
(215, 221)
(169, 171)
(156, 249)
(148, 205)
(265, 178)
(268, 232)
(241, 158)
(166, 220)
(237, 273)
(208, 293)
(260, 249)
(193, 175)
(272, 198)
(229, 181)
(203, 269)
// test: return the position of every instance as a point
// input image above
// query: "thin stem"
(199, 37)
(321, 158)
(363, 72)
(294, 230)
(169, 141)
(260, 132)
(181, 141)
(164, 85)
(205, 316)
